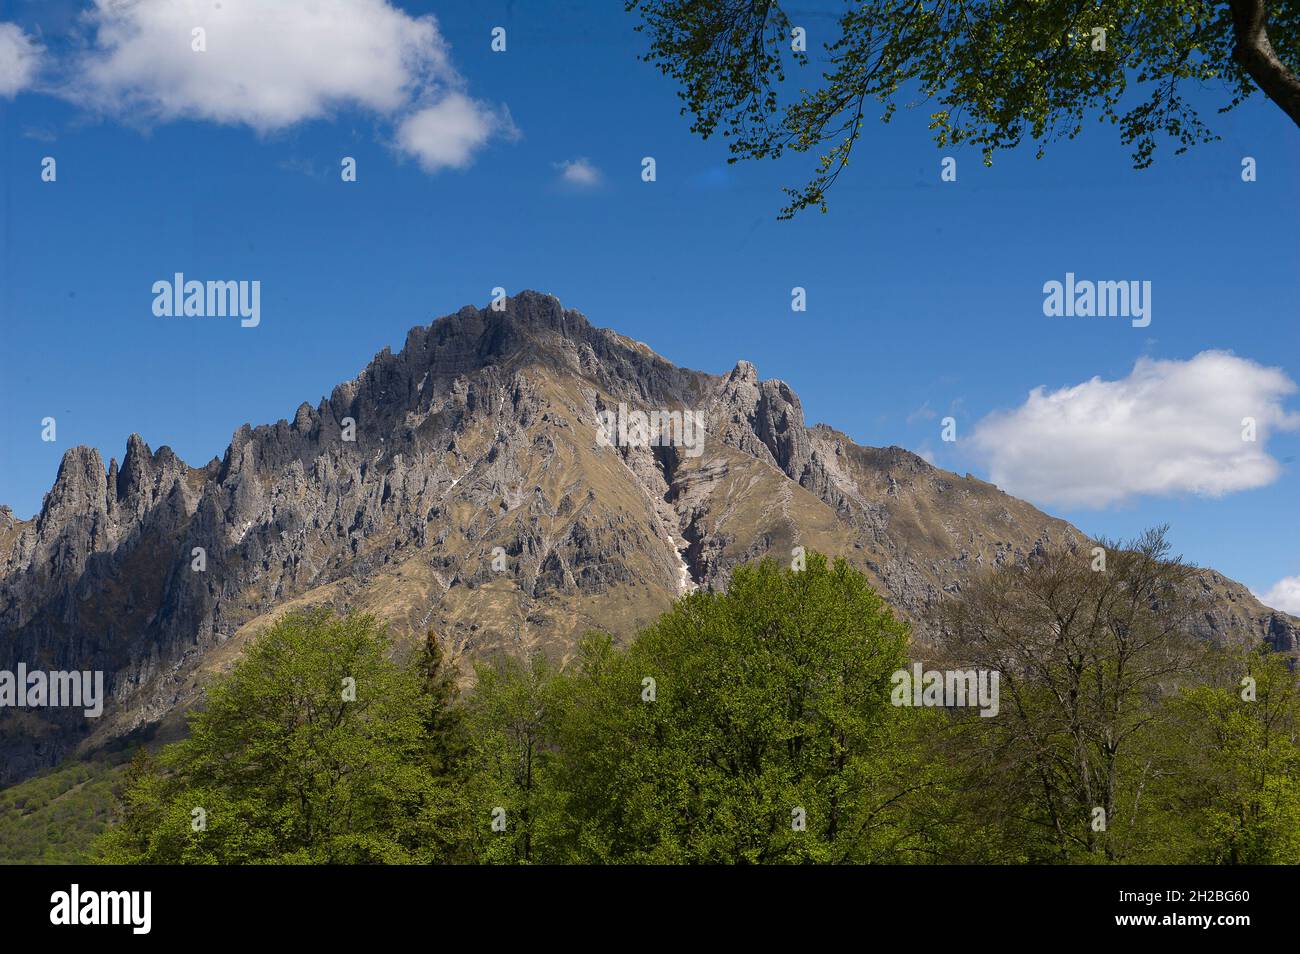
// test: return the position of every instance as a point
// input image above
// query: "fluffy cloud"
(579, 172)
(1169, 427)
(272, 65)
(447, 134)
(1283, 595)
(20, 56)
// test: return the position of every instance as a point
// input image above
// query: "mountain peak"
(81, 478)
(478, 439)
(744, 371)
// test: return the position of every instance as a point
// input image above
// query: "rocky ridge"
(476, 500)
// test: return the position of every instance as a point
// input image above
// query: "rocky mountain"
(467, 485)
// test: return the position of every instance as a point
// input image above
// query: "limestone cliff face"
(460, 485)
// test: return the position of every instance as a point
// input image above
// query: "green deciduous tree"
(510, 798)
(1087, 653)
(752, 726)
(995, 71)
(1228, 789)
(315, 748)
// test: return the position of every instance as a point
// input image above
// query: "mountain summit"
(467, 485)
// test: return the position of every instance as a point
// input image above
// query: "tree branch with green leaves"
(994, 72)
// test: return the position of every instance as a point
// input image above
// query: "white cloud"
(272, 65)
(1283, 595)
(448, 133)
(579, 172)
(20, 56)
(1169, 427)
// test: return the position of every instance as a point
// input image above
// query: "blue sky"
(924, 297)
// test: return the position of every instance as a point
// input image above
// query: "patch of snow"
(684, 583)
(458, 480)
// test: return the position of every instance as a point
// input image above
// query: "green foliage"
(770, 737)
(1084, 655)
(512, 719)
(995, 72)
(754, 726)
(285, 764)
(1231, 769)
(53, 819)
